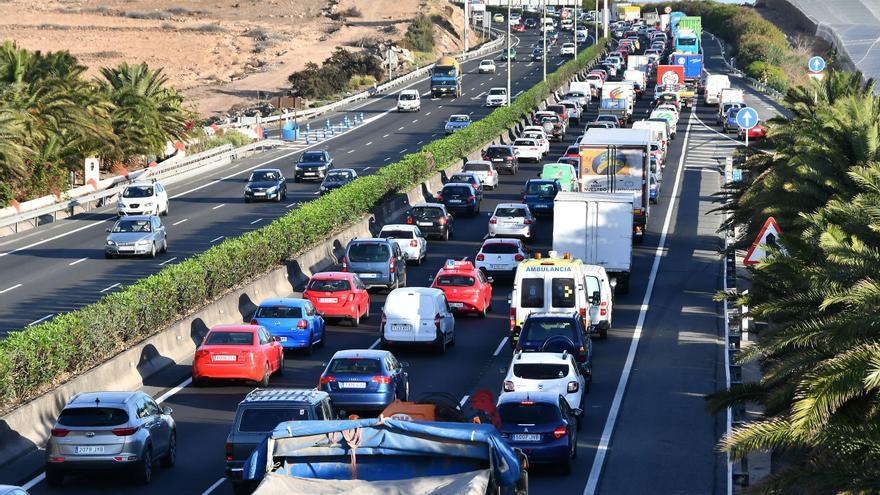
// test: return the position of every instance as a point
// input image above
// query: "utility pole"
(544, 30)
(596, 23)
(509, 60)
(466, 21)
(605, 18)
(575, 15)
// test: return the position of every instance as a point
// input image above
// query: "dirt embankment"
(219, 53)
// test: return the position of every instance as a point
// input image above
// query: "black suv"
(503, 157)
(556, 332)
(260, 412)
(312, 165)
(432, 218)
(460, 196)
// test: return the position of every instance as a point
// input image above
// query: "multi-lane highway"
(646, 430)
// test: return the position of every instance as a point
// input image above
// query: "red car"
(518, 28)
(339, 295)
(757, 132)
(467, 289)
(238, 352)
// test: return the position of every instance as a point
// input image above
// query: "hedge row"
(39, 357)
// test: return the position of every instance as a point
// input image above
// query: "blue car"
(542, 425)
(457, 123)
(538, 195)
(730, 120)
(364, 380)
(295, 322)
(556, 332)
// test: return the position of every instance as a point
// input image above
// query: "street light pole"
(544, 30)
(466, 20)
(605, 18)
(575, 15)
(596, 23)
(509, 60)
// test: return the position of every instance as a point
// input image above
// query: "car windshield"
(263, 177)
(408, 96)
(537, 330)
(368, 252)
(337, 176)
(456, 191)
(541, 371)
(133, 226)
(486, 63)
(356, 366)
(455, 281)
(459, 118)
(138, 192)
(397, 234)
(93, 416)
(541, 189)
(230, 338)
(528, 414)
(265, 420)
(444, 71)
(500, 248)
(426, 213)
(497, 152)
(477, 167)
(279, 312)
(329, 285)
(510, 211)
(312, 156)
(496, 92)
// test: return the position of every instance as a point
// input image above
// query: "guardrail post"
(362, 117)
(327, 125)
(307, 137)
(347, 122)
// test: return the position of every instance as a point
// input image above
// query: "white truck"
(639, 79)
(618, 98)
(729, 95)
(637, 62)
(597, 229)
(713, 86)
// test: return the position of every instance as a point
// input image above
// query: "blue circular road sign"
(747, 118)
(816, 64)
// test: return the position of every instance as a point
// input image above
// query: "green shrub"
(335, 73)
(35, 358)
(419, 35)
(770, 75)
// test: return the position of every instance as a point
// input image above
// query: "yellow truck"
(446, 77)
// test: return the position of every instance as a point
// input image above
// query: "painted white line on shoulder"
(291, 205)
(368, 143)
(217, 239)
(400, 128)
(169, 260)
(367, 168)
(105, 289)
(77, 262)
(34, 482)
(59, 236)
(415, 120)
(40, 320)
(350, 151)
(428, 113)
(403, 151)
(221, 205)
(439, 106)
(605, 441)
(376, 344)
(386, 135)
(463, 400)
(162, 398)
(10, 288)
(420, 142)
(500, 346)
(316, 193)
(179, 222)
(214, 486)
(257, 221)
(386, 159)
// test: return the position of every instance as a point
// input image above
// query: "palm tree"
(13, 153)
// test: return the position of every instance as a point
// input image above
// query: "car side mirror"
(613, 283)
(167, 411)
(491, 280)
(276, 338)
(108, 230)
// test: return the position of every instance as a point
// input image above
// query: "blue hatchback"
(295, 322)
(539, 194)
(364, 379)
(542, 425)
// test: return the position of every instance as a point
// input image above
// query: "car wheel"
(165, 245)
(247, 199)
(440, 345)
(153, 250)
(264, 382)
(171, 455)
(311, 347)
(167, 210)
(446, 234)
(108, 255)
(356, 321)
(482, 314)
(452, 340)
(144, 469)
(54, 478)
(367, 312)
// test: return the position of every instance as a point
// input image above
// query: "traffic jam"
(589, 168)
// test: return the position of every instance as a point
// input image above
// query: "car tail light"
(519, 257)
(228, 451)
(413, 243)
(533, 148)
(512, 318)
(508, 158)
(385, 380)
(125, 432)
(60, 432)
(559, 432)
(247, 356)
(471, 198)
(440, 198)
(490, 173)
(582, 355)
(508, 386)
(326, 379)
(409, 220)
(302, 325)
(344, 264)
(391, 266)
(603, 308)
(480, 257)
(583, 312)
(573, 387)
(493, 221)
(527, 222)
(201, 353)
(254, 322)
(350, 297)
(442, 221)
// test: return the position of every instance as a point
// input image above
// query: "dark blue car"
(730, 119)
(542, 425)
(295, 322)
(364, 379)
(539, 194)
(556, 332)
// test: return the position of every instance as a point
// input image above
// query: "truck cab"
(446, 78)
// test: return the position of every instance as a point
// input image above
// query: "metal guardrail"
(40, 216)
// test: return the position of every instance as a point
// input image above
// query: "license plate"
(541, 206)
(328, 300)
(282, 339)
(367, 275)
(311, 173)
(455, 201)
(352, 384)
(259, 194)
(456, 305)
(91, 449)
(498, 267)
(401, 328)
(526, 437)
(126, 248)
(223, 357)
(424, 224)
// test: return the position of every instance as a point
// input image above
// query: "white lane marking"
(291, 205)
(316, 193)
(179, 222)
(420, 142)
(162, 398)
(386, 135)
(10, 288)
(350, 151)
(59, 236)
(429, 113)
(426, 93)
(117, 284)
(520, 92)
(599, 460)
(439, 106)
(368, 143)
(376, 344)
(415, 120)
(214, 486)
(385, 160)
(221, 205)
(40, 320)
(400, 128)
(367, 168)
(77, 262)
(167, 261)
(34, 482)
(256, 221)
(217, 239)
(500, 346)
(463, 400)
(403, 151)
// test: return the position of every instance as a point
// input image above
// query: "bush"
(38, 357)
(419, 35)
(770, 75)
(334, 75)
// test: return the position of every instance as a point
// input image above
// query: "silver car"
(12, 490)
(485, 172)
(512, 220)
(136, 236)
(111, 430)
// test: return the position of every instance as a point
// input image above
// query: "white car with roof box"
(500, 256)
(409, 238)
(549, 372)
(417, 315)
(528, 148)
(143, 198)
(485, 172)
(486, 67)
(409, 100)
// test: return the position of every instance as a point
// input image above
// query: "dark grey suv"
(259, 413)
(111, 430)
(378, 262)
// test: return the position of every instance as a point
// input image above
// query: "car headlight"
(143, 242)
(110, 243)
(323, 188)
(148, 204)
(272, 189)
(247, 188)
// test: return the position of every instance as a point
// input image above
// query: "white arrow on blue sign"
(747, 118)
(816, 64)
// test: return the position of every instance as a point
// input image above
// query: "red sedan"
(238, 352)
(339, 295)
(467, 289)
(757, 132)
(518, 28)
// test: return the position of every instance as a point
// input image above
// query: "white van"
(659, 132)
(552, 284)
(713, 86)
(409, 100)
(601, 296)
(417, 315)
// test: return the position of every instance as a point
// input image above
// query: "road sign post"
(747, 118)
